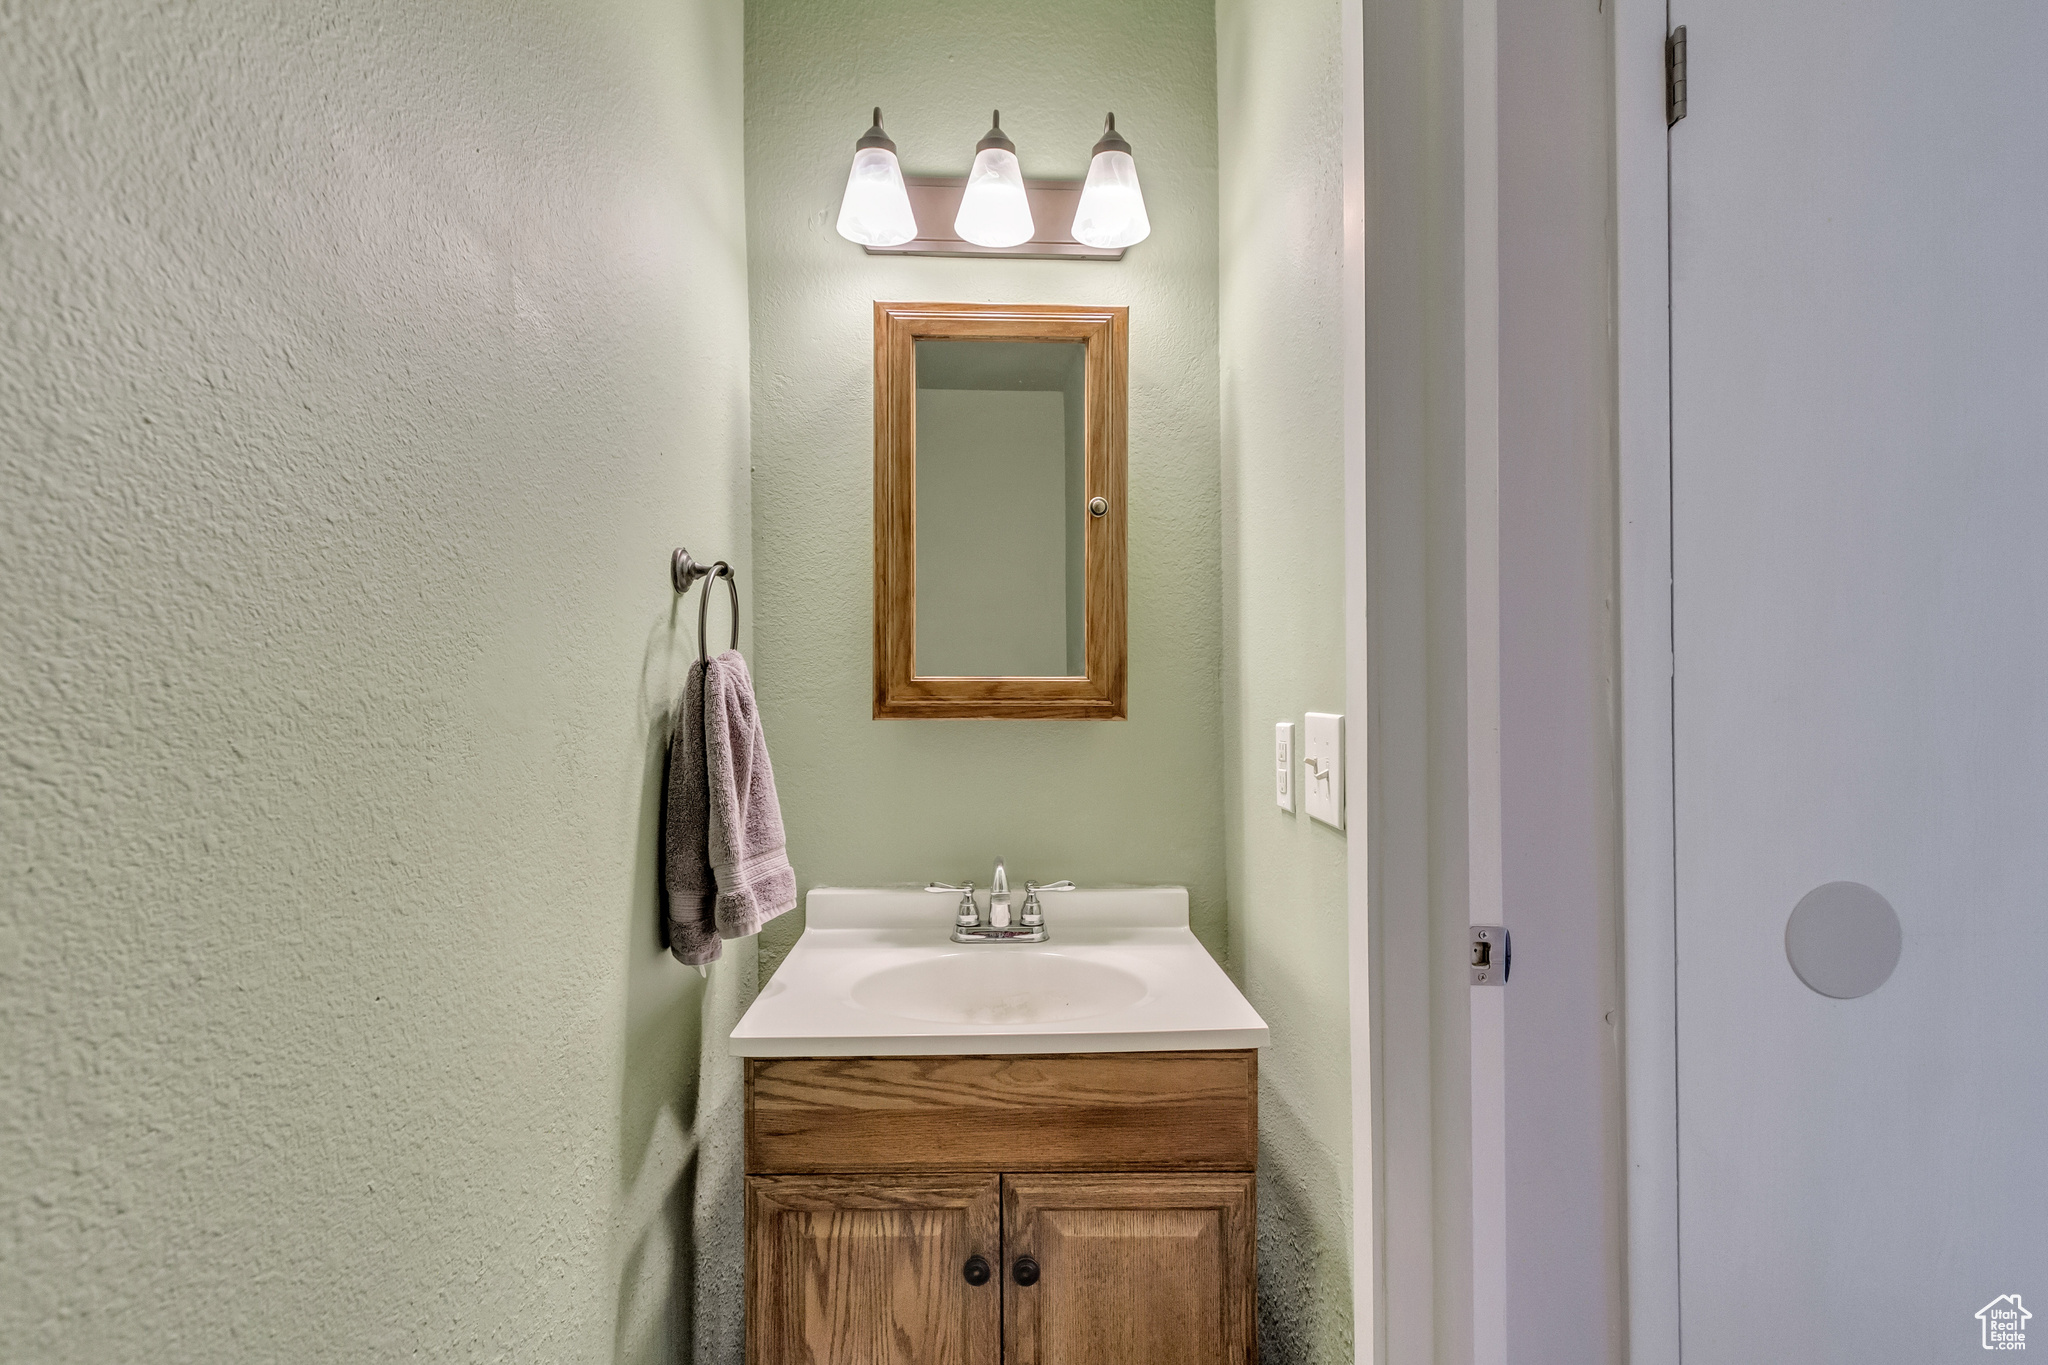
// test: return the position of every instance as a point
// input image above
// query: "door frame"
(1642, 192)
(1404, 140)
(1366, 1205)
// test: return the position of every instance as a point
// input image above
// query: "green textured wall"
(1278, 89)
(362, 364)
(870, 801)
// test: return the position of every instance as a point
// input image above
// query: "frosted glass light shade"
(1112, 211)
(875, 210)
(994, 211)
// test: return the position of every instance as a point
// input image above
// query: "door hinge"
(1674, 76)
(1492, 955)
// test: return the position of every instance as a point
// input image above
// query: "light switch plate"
(1322, 760)
(1283, 766)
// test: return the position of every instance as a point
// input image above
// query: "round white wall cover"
(1843, 939)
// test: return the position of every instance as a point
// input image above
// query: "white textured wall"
(1279, 124)
(362, 363)
(900, 800)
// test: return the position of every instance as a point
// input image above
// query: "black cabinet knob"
(1025, 1272)
(976, 1271)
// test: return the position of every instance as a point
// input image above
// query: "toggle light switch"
(1283, 766)
(1322, 761)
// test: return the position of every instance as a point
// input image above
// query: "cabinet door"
(852, 1270)
(1130, 1270)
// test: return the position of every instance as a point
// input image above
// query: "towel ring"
(719, 570)
(684, 571)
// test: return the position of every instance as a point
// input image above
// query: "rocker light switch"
(1283, 766)
(1322, 760)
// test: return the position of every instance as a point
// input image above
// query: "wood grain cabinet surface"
(846, 1270)
(1146, 1259)
(1130, 1268)
(901, 692)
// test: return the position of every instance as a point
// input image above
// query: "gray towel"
(727, 871)
(686, 840)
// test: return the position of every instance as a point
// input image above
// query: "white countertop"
(1121, 973)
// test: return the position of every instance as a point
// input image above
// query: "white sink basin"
(975, 987)
(876, 974)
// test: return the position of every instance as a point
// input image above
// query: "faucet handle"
(1034, 913)
(966, 915)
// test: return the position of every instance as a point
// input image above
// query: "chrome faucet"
(999, 899)
(967, 922)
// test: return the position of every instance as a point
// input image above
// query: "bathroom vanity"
(997, 1152)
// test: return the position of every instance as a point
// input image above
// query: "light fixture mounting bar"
(935, 199)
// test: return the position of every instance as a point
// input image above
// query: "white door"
(1860, 551)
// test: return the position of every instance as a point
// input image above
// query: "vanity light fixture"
(1112, 210)
(875, 210)
(994, 210)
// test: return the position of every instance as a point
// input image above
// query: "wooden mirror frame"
(899, 692)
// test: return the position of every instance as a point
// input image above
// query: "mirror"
(1001, 509)
(999, 518)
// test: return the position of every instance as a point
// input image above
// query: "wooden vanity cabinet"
(851, 1268)
(1130, 1268)
(1109, 1196)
